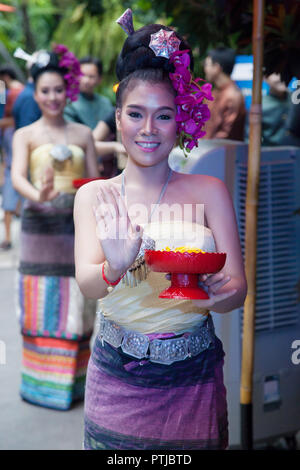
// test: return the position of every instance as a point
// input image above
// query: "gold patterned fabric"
(137, 306)
(69, 170)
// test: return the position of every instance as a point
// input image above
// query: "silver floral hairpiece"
(126, 22)
(41, 58)
(164, 43)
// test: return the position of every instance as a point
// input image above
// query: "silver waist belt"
(162, 351)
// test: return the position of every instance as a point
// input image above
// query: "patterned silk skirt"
(56, 321)
(140, 405)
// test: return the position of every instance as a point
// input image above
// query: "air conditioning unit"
(276, 381)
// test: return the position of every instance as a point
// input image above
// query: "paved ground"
(24, 426)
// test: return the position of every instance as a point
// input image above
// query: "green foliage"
(86, 33)
(10, 32)
(88, 27)
(40, 14)
(203, 23)
(96, 35)
(282, 40)
(94, 7)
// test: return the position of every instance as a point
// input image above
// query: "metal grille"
(277, 270)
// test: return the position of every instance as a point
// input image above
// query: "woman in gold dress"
(56, 321)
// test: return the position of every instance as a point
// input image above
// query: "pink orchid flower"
(192, 113)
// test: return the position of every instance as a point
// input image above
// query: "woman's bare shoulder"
(80, 134)
(205, 189)
(79, 129)
(197, 181)
(27, 131)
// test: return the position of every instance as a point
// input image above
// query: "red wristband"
(109, 282)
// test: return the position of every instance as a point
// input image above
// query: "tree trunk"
(9, 60)
(30, 44)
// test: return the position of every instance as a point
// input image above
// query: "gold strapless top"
(138, 306)
(71, 169)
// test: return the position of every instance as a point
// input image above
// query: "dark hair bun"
(52, 66)
(136, 53)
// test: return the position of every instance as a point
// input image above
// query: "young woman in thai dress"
(56, 321)
(143, 391)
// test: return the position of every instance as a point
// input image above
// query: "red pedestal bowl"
(185, 269)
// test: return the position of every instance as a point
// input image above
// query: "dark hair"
(138, 62)
(36, 70)
(223, 56)
(7, 70)
(146, 75)
(94, 61)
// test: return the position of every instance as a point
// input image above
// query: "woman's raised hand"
(120, 238)
(47, 191)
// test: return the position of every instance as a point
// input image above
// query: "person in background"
(2, 99)
(275, 110)
(228, 110)
(111, 153)
(11, 199)
(292, 123)
(2, 106)
(91, 107)
(26, 110)
(13, 88)
(56, 320)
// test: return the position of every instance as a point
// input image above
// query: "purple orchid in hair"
(70, 62)
(192, 112)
